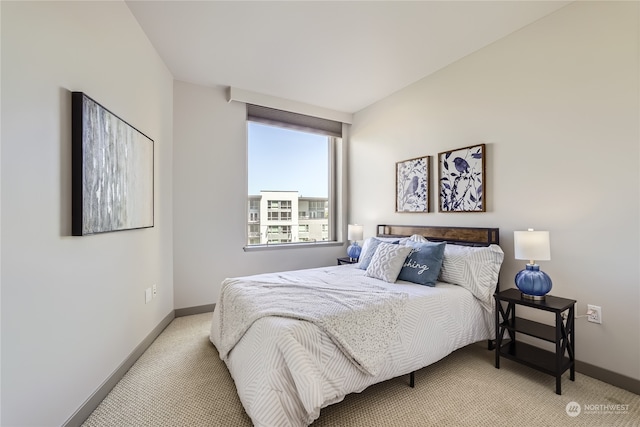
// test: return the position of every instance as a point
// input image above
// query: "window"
(291, 167)
(279, 210)
(318, 209)
(254, 234)
(254, 210)
(279, 234)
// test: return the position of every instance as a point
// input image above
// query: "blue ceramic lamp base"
(354, 251)
(533, 283)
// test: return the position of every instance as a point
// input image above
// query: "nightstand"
(346, 260)
(562, 334)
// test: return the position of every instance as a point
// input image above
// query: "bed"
(297, 341)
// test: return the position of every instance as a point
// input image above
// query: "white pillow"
(387, 261)
(418, 238)
(474, 268)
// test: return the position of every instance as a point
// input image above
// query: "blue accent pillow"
(367, 255)
(423, 264)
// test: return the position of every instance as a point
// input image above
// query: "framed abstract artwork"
(413, 185)
(112, 171)
(461, 179)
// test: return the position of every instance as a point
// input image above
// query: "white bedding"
(286, 370)
(360, 317)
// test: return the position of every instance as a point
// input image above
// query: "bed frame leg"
(412, 379)
(491, 345)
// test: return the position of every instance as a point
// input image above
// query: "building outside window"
(283, 225)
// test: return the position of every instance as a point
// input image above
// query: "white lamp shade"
(532, 245)
(355, 232)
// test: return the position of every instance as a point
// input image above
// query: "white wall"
(557, 104)
(73, 307)
(210, 200)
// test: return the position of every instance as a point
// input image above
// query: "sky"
(287, 160)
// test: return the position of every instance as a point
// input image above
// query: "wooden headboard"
(476, 236)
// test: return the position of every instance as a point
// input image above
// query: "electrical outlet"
(155, 290)
(147, 295)
(595, 313)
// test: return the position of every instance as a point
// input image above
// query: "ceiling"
(341, 55)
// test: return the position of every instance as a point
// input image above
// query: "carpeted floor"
(181, 381)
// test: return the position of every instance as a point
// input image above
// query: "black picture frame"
(112, 171)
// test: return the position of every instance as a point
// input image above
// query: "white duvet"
(360, 317)
(286, 369)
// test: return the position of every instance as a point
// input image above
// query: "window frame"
(334, 212)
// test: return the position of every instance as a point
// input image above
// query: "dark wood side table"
(562, 334)
(346, 260)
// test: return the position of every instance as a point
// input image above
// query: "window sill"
(277, 246)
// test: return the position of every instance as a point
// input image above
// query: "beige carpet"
(181, 381)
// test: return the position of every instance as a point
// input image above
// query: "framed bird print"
(413, 184)
(461, 179)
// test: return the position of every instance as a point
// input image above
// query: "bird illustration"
(461, 165)
(413, 187)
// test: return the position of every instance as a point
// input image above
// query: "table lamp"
(354, 233)
(532, 245)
